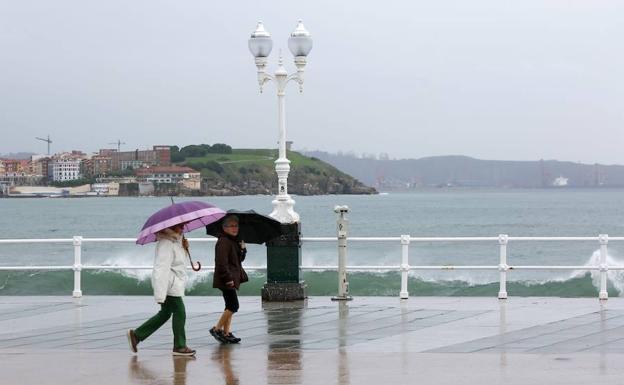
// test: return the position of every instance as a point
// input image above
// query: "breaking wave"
(320, 283)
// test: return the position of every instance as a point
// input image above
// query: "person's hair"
(170, 228)
(229, 219)
(166, 231)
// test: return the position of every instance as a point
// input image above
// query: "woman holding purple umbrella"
(167, 228)
(168, 280)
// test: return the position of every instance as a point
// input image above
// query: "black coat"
(228, 263)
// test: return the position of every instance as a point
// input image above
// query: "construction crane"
(118, 143)
(47, 140)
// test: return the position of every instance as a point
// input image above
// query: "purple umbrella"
(193, 214)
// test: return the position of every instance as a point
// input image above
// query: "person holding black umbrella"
(233, 230)
(228, 276)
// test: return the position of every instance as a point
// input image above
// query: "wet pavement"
(432, 340)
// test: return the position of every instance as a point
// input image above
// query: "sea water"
(431, 213)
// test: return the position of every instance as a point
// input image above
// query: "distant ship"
(560, 182)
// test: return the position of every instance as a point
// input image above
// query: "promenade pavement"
(370, 340)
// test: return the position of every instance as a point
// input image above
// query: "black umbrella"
(252, 227)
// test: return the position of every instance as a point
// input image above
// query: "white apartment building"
(65, 168)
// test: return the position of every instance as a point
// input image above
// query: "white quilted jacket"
(169, 274)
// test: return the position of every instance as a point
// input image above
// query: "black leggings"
(231, 300)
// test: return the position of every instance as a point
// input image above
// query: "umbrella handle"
(193, 264)
(191, 260)
(189, 254)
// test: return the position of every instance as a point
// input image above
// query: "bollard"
(503, 239)
(342, 227)
(77, 265)
(604, 240)
(405, 241)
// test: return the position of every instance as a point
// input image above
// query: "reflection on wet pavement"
(284, 349)
(141, 373)
(366, 341)
(222, 354)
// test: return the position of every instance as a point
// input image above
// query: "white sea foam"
(140, 259)
(615, 277)
(473, 278)
(322, 257)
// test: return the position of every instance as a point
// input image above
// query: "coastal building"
(102, 165)
(21, 180)
(106, 151)
(132, 164)
(186, 176)
(193, 182)
(113, 189)
(146, 189)
(97, 166)
(105, 189)
(163, 155)
(120, 161)
(16, 167)
(66, 167)
(117, 179)
(39, 165)
(18, 172)
(9, 166)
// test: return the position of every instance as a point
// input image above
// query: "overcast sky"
(515, 80)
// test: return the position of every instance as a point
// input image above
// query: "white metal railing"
(404, 267)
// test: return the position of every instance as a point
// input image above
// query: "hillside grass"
(252, 171)
(264, 157)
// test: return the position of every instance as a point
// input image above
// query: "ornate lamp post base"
(283, 292)
(284, 276)
(284, 209)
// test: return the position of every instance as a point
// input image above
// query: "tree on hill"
(197, 151)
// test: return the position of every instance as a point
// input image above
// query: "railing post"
(604, 268)
(503, 239)
(405, 241)
(342, 226)
(77, 242)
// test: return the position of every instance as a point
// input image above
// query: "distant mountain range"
(440, 171)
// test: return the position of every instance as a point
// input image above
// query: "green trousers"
(172, 305)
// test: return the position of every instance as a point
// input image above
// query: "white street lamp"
(260, 45)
